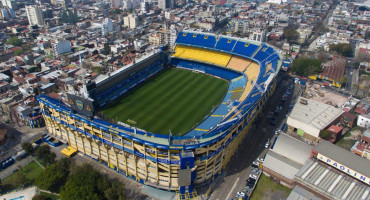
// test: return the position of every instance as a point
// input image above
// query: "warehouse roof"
(344, 157)
(281, 165)
(314, 113)
(292, 148)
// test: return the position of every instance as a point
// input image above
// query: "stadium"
(170, 121)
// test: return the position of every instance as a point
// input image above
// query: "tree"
(43, 153)
(342, 48)
(54, 176)
(70, 17)
(306, 66)
(15, 41)
(75, 16)
(18, 52)
(367, 35)
(325, 134)
(28, 148)
(106, 49)
(41, 197)
(64, 17)
(117, 11)
(116, 192)
(344, 80)
(20, 178)
(291, 35)
(97, 69)
(85, 183)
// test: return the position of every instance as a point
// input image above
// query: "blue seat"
(196, 39)
(225, 44)
(245, 49)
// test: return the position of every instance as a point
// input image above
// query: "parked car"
(256, 164)
(256, 171)
(253, 176)
(267, 145)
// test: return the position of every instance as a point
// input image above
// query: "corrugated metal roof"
(331, 183)
(292, 148)
(281, 165)
(347, 158)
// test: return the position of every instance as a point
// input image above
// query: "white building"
(5, 14)
(363, 121)
(164, 4)
(131, 21)
(258, 35)
(308, 118)
(116, 3)
(34, 15)
(144, 6)
(239, 25)
(173, 36)
(61, 46)
(107, 26)
(130, 4)
(10, 4)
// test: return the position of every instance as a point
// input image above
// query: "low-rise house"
(362, 147)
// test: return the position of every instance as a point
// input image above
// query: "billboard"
(344, 168)
(81, 105)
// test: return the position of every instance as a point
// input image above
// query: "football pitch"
(175, 100)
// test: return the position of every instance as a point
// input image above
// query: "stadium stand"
(225, 44)
(128, 84)
(251, 72)
(203, 55)
(238, 63)
(263, 53)
(205, 68)
(244, 48)
(195, 39)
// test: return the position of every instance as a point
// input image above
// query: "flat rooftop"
(315, 113)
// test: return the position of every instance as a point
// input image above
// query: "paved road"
(16, 138)
(8, 171)
(251, 147)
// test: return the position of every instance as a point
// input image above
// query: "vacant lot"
(268, 189)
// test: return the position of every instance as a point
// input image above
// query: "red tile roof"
(335, 129)
(334, 69)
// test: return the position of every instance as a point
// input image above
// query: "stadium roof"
(315, 114)
(292, 149)
(344, 157)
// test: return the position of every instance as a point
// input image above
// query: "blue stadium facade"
(178, 162)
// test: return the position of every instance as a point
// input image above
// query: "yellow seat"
(238, 63)
(203, 55)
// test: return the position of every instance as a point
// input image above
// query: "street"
(253, 146)
(16, 137)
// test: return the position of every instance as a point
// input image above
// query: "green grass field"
(176, 99)
(31, 172)
(266, 188)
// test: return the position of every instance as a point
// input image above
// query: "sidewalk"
(9, 171)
